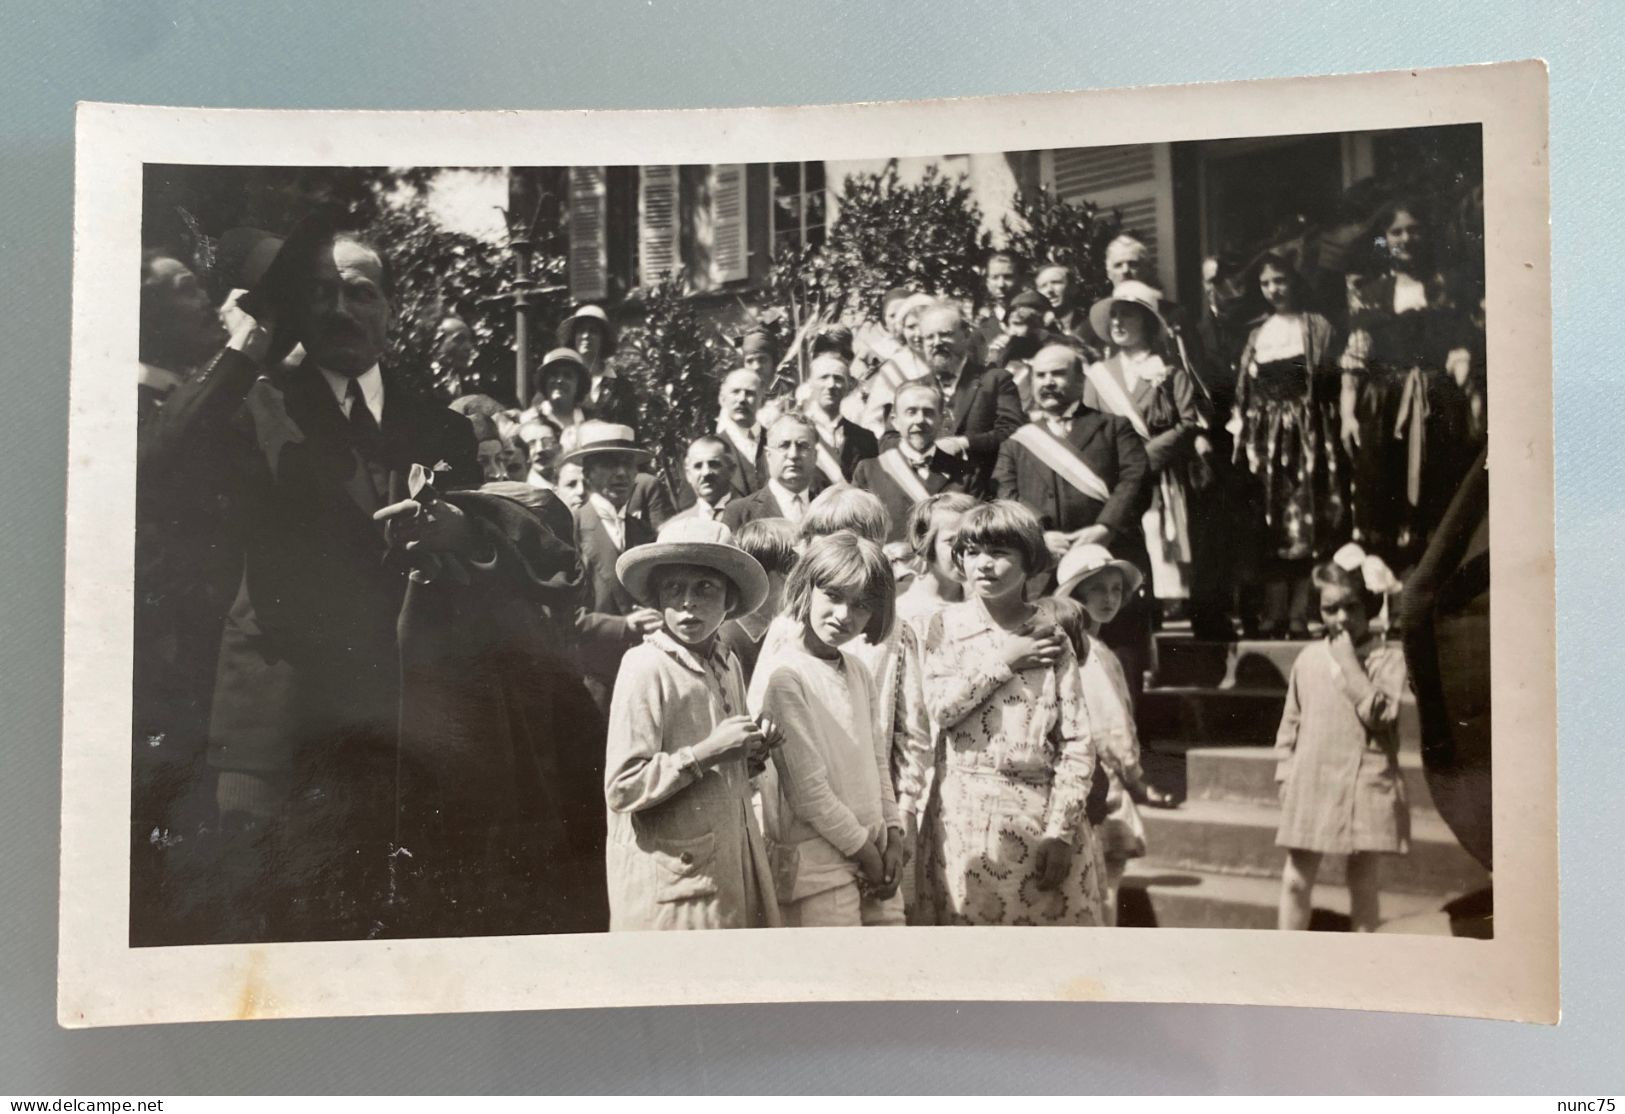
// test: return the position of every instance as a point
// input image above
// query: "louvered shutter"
(1134, 179)
(589, 256)
(730, 247)
(657, 223)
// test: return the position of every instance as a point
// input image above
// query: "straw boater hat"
(595, 438)
(694, 541)
(594, 314)
(567, 357)
(1135, 294)
(1085, 561)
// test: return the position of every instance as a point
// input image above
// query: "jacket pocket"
(685, 869)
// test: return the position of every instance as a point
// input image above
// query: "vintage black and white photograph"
(1084, 535)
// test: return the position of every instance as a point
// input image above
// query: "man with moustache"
(738, 400)
(1086, 476)
(842, 443)
(789, 454)
(913, 469)
(983, 407)
(707, 465)
(305, 725)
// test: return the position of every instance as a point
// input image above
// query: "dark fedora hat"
(282, 280)
(242, 257)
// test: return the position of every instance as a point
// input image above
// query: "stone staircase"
(1207, 725)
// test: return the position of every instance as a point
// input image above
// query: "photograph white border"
(103, 981)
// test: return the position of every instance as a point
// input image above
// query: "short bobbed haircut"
(1329, 574)
(1004, 524)
(921, 529)
(845, 507)
(845, 562)
(772, 541)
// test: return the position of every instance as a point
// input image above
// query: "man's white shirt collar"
(709, 510)
(915, 460)
(614, 520)
(372, 390)
(787, 500)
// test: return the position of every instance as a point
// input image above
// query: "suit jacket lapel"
(316, 413)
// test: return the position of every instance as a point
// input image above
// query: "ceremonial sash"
(828, 462)
(1111, 392)
(892, 462)
(1062, 459)
(744, 455)
(1173, 516)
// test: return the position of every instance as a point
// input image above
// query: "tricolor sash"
(895, 466)
(1062, 459)
(1117, 401)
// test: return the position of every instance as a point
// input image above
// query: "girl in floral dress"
(1009, 843)
(1287, 436)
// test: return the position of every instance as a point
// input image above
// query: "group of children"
(802, 744)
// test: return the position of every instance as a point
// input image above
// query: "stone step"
(1232, 837)
(1250, 663)
(1248, 774)
(1216, 716)
(1158, 897)
(1235, 716)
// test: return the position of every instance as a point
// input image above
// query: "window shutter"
(730, 249)
(657, 223)
(589, 256)
(1134, 179)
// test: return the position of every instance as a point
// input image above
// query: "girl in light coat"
(684, 848)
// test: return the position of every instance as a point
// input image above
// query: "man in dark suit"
(1068, 311)
(706, 465)
(1085, 475)
(609, 622)
(1003, 275)
(789, 454)
(842, 443)
(305, 722)
(913, 469)
(983, 407)
(737, 402)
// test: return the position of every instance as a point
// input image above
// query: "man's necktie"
(362, 423)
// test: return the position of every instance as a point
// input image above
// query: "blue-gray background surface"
(671, 53)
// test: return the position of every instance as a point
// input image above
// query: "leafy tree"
(924, 236)
(675, 361)
(439, 272)
(436, 271)
(1043, 228)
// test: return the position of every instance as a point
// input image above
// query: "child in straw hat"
(684, 850)
(1093, 578)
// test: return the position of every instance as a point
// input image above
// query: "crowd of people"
(404, 669)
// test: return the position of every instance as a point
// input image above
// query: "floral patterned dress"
(1015, 756)
(1287, 408)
